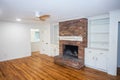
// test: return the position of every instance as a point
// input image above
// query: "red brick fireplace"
(72, 28)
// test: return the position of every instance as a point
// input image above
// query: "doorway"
(118, 52)
(35, 40)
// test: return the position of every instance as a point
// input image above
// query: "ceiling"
(58, 9)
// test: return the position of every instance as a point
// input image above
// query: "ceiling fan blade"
(44, 17)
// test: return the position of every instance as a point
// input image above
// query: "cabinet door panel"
(89, 58)
(101, 61)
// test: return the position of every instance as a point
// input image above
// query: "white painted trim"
(96, 68)
(113, 38)
(99, 17)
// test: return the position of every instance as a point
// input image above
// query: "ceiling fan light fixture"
(18, 19)
(37, 14)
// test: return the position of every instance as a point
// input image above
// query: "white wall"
(112, 55)
(14, 40)
(118, 55)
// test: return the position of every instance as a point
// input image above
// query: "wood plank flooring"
(42, 67)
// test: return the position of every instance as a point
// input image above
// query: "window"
(35, 35)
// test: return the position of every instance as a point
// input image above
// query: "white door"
(45, 44)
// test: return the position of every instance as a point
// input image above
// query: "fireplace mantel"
(71, 38)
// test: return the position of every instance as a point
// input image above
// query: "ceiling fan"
(37, 17)
(41, 17)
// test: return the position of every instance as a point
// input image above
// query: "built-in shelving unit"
(98, 33)
(98, 42)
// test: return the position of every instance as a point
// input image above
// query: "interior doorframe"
(113, 42)
(118, 44)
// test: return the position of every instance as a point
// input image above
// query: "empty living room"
(59, 40)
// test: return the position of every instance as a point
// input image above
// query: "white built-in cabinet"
(98, 42)
(96, 58)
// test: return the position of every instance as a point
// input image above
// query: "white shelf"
(98, 33)
(98, 24)
(99, 42)
(97, 48)
(99, 21)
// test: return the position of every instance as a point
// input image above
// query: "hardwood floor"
(42, 67)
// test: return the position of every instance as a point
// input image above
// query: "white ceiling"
(58, 9)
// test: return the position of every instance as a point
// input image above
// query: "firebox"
(70, 51)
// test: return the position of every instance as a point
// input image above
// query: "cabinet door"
(101, 61)
(89, 58)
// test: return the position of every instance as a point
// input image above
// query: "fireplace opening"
(70, 51)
